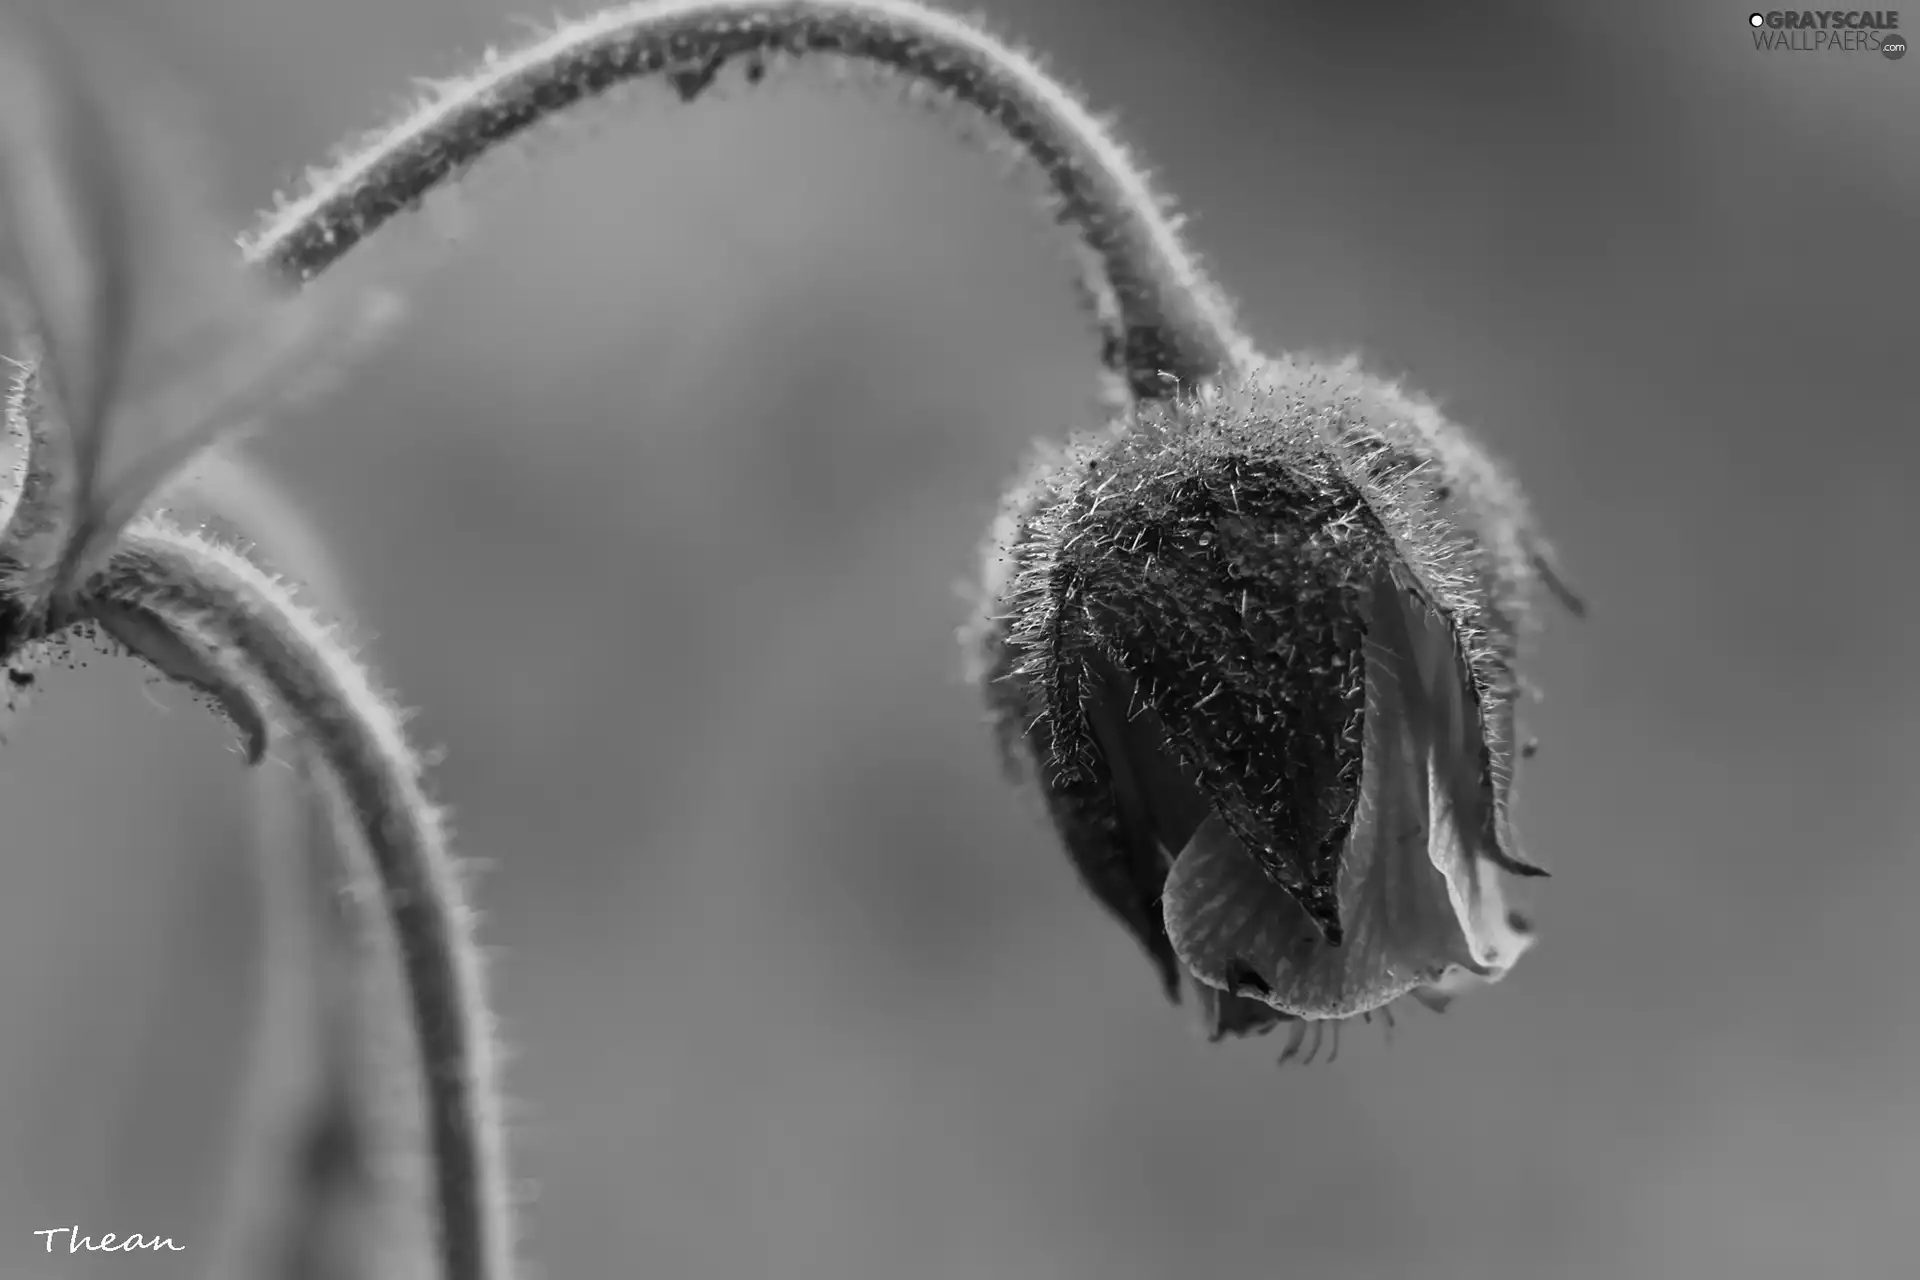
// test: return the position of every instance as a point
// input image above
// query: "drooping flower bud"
(1259, 651)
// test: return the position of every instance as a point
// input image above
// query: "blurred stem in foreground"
(145, 343)
(319, 1186)
(243, 626)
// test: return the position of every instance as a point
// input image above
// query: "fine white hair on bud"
(1259, 653)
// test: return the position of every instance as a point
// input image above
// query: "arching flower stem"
(246, 626)
(1164, 324)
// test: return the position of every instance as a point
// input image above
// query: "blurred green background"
(655, 507)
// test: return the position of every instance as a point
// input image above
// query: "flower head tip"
(1261, 667)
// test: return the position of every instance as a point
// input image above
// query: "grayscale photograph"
(958, 640)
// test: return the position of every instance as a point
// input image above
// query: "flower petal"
(1118, 811)
(1223, 1014)
(1466, 734)
(1470, 545)
(1468, 801)
(1421, 908)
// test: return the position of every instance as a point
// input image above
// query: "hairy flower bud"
(1259, 649)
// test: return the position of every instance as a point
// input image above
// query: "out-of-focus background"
(655, 506)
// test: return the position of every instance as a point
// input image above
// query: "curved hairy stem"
(304, 1198)
(329, 1203)
(1164, 323)
(243, 622)
(302, 1195)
